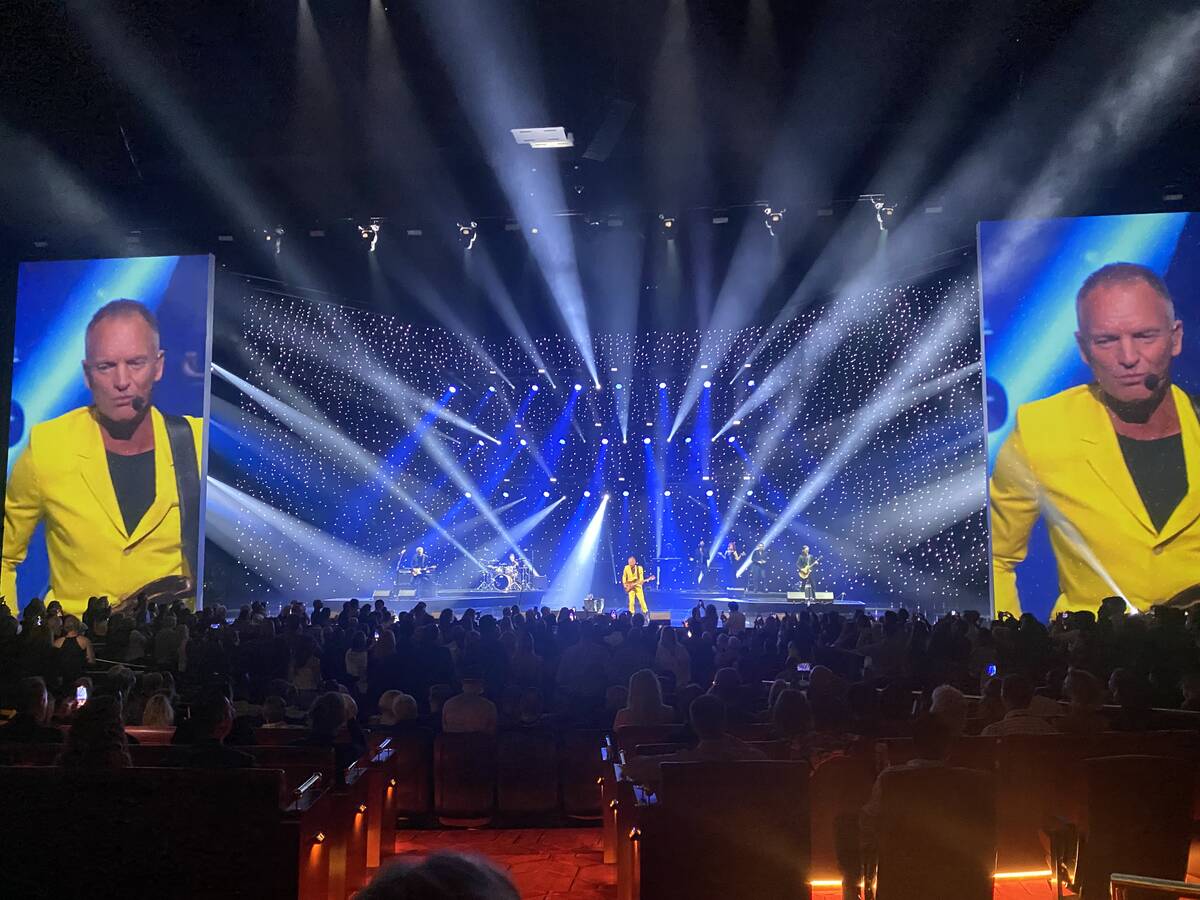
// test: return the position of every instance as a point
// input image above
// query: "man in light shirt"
(1017, 694)
(469, 712)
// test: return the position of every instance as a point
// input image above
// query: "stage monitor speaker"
(821, 596)
(381, 595)
(660, 615)
(405, 592)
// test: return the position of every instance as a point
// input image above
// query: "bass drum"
(503, 582)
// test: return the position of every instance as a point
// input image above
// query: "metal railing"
(1122, 885)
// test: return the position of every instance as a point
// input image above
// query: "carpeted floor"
(567, 863)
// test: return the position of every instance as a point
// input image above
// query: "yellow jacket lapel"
(93, 466)
(164, 481)
(1103, 453)
(1189, 508)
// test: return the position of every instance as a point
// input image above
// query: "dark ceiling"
(841, 81)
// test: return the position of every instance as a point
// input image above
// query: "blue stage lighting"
(467, 495)
(708, 384)
(749, 493)
(624, 493)
(732, 440)
(505, 494)
(666, 493)
(604, 441)
(750, 382)
(524, 443)
(587, 493)
(453, 389)
(480, 443)
(707, 493)
(533, 387)
(492, 388)
(562, 441)
(662, 385)
(687, 440)
(545, 493)
(579, 387)
(618, 385)
(645, 440)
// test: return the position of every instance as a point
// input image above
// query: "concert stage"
(678, 604)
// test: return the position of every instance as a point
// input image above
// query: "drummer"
(513, 564)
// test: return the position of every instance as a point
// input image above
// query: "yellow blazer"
(62, 478)
(630, 577)
(1063, 461)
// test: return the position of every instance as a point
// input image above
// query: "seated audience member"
(791, 721)
(727, 687)
(991, 705)
(470, 712)
(1084, 695)
(707, 717)
(327, 717)
(1131, 692)
(96, 739)
(404, 709)
(442, 876)
(949, 706)
(1189, 687)
(644, 705)
(212, 717)
(386, 717)
(158, 712)
(1017, 693)
(274, 712)
(932, 742)
(29, 725)
(74, 651)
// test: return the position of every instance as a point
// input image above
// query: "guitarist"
(804, 568)
(421, 569)
(633, 579)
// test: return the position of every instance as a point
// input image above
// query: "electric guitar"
(806, 571)
(636, 583)
(418, 571)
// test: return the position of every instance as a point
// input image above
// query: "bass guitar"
(636, 583)
(418, 571)
(806, 571)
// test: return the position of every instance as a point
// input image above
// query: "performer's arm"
(1013, 493)
(22, 512)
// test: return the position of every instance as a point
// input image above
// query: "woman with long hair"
(645, 704)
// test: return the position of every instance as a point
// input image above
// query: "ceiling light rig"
(468, 234)
(370, 233)
(667, 223)
(773, 218)
(884, 212)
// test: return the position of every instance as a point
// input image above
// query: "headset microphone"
(138, 404)
(1152, 382)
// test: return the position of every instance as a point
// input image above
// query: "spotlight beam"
(575, 577)
(322, 433)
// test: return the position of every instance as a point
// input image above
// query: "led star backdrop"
(342, 437)
(55, 301)
(1030, 274)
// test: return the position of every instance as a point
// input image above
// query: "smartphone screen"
(804, 668)
(80, 695)
(991, 670)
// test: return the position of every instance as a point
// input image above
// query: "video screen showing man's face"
(1093, 424)
(123, 362)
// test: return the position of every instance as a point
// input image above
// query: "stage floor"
(675, 604)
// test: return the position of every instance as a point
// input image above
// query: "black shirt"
(1159, 472)
(133, 481)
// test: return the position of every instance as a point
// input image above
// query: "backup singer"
(633, 580)
(116, 482)
(757, 580)
(733, 561)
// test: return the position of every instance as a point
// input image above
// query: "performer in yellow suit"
(1114, 466)
(633, 579)
(102, 478)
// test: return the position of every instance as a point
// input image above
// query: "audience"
(29, 725)
(470, 712)
(1017, 694)
(645, 702)
(714, 744)
(212, 716)
(96, 738)
(442, 876)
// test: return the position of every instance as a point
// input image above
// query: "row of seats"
(293, 827)
(1005, 792)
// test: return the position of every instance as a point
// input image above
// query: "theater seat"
(464, 778)
(720, 830)
(147, 735)
(935, 835)
(579, 770)
(527, 774)
(838, 789)
(629, 736)
(411, 767)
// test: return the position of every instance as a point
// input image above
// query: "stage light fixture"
(553, 480)
(604, 441)
(624, 493)
(708, 493)
(452, 389)
(370, 233)
(884, 212)
(772, 218)
(606, 496)
(666, 493)
(505, 495)
(750, 382)
(732, 440)
(619, 385)
(562, 441)
(707, 384)
(587, 493)
(579, 387)
(480, 443)
(662, 385)
(646, 441)
(533, 387)
(687, 440)
(467, 495)
(749, 493)
(545, 493)
(667, 223)
(492, 388)
(468, 234)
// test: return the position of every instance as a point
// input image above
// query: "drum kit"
(507, 577)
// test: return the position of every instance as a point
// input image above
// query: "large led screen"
(1093, 441)
(106, 444)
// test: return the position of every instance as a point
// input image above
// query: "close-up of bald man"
(102, 478)
(1112, 465)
